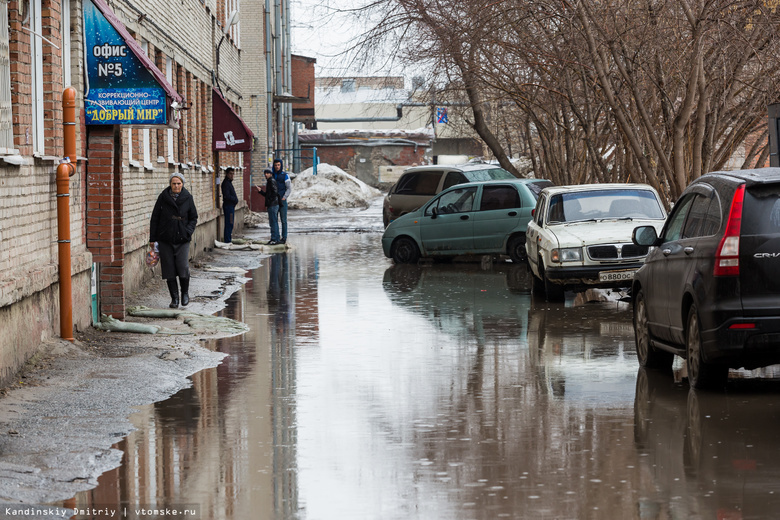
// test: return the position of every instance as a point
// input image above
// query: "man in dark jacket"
(271, 194)
(229, 202)
(285, 189)
(173, 222)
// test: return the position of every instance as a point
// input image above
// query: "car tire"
(701, 375)
(405, 251)
(552, 292)
(648, 356)
(516, 249)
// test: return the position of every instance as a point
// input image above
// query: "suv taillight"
(727, 256)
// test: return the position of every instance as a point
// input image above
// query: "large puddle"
(370, 391)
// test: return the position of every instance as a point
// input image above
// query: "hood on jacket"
(281, 165)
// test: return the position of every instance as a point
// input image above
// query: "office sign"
(121, 87)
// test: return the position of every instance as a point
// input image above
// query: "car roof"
(453, 167)
(751, 177)
(596, 187)
(494, 181)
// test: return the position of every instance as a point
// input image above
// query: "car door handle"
(688, 250)
(464, 217)
(666, 252)
(513, 213)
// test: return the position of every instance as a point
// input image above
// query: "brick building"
(210, 112)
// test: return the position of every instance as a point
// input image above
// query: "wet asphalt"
(367, 390)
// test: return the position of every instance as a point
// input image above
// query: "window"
(36, 54)
(6, 116)
(147, 145)
(674, 226)
(66, 79)
(454, 201)
(499, 197)
(454, 178)
(419, 183)
(700, 221)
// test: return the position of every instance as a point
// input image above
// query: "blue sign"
(120, 90)
(441, 115)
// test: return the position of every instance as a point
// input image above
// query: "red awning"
(230, 133)
(136, 48)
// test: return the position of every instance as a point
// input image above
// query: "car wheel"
(648, 356)
(405, 251)
(701, 375)
(552, 292)
(516, 249)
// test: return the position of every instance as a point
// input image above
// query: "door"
(532, 233)
(447, 226)
(500, 213)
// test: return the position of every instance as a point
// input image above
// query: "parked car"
(417, 185)
(580, 236)
(473, 218)
(709, 289)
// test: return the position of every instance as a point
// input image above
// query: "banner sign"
(120, 89)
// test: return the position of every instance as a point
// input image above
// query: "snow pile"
(332, 187)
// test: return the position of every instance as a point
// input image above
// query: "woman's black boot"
(185, 291)
(173, 288)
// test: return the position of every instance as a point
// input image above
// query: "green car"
(476, 218)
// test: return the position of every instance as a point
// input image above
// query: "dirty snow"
(332, 187)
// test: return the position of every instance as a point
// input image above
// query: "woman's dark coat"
(173, 221)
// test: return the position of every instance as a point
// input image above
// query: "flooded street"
(366, 390)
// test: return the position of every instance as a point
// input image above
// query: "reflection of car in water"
(583, 352)
(493, 298)
(709, 455)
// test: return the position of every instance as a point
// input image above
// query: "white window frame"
(36, 55)
(66, 78)
(6, 109)
(147, 146)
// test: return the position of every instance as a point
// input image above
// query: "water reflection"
(365, 390)
(708, 454)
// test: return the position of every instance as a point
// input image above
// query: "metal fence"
(299, 159)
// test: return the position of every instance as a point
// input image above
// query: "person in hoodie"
(285, 189)
(172, 224)
(229, 202)
(271, 194)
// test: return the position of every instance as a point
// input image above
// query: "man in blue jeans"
(271, 194)
(229, 202)
(285, 189)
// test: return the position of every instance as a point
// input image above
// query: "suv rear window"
(418, 183)
(761, 210)
(536, 187)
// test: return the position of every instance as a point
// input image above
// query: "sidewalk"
(72, 401)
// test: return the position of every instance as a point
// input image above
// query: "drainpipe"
(65, 171)
(278, 71)
(269, 85)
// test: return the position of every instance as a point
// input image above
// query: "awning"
(123, 85)
(230, 133)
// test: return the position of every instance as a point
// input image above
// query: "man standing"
(285, 189)
(271, 194)
(229, 201)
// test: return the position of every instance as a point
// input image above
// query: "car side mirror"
(434, 212)
(644, 236)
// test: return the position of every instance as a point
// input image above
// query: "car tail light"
(727, 256)
(743, 326)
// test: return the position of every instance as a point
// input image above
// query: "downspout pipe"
(269, 84)
(65, 171)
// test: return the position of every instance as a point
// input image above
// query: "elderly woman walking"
(172, 224)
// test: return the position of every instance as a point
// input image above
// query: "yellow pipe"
(64, 172)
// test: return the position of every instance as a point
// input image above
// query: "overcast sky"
(318, 32)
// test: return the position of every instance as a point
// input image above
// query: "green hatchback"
(477, 218)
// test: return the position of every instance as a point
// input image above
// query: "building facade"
(211, 113)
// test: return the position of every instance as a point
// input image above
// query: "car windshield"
(488, 174)
(604, 205)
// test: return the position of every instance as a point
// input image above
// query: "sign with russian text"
(120, 89)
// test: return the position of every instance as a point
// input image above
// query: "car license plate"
(616, 276)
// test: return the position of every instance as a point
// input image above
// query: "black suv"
(709, 290)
